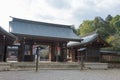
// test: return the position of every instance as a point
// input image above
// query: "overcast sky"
(69, 12)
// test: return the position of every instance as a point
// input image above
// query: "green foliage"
(114, 40)
(117, 26)
(102, 27)
(108, 18)
(115, 23)
(78, 31)
(74, 30)
(97, 22)
(86, 27)
(109, 29)
(114, 19)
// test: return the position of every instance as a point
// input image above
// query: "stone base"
(96, 65)
(4, 66)
(51, 65)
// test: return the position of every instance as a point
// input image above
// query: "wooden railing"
(110, 58)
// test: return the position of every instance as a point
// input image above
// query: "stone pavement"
(111, 74)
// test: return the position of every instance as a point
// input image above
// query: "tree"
(117, 26)
(97, 22)
(109, 29)
(114, 40)
(102, 27)
(74, 30)
(78, 31)
(86, 27)
(108, 18)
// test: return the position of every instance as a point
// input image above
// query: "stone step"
(45, 66)
(51, 65)
(4, 66)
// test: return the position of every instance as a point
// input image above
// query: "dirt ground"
(110, 74)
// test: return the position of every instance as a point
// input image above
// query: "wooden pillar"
(82, 61)
(73, 55)
(65, 52)
(86, 55)
(31, 52)
(1, 51)
(58, 52)
(52, 53)
(5, 48)
(21, 51)
(65, 55)
(70, 52)
(61, 51)
(31, 49)
(100, 57)
(5, 54)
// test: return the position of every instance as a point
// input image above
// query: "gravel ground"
(111, 74)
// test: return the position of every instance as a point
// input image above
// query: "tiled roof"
(86, 39)
(3, 32)
(42, 29)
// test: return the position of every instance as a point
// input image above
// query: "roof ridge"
(27, 20)
(91, 33)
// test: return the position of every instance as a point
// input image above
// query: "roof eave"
(47, 37)
(7, 33)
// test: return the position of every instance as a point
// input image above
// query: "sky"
(68, 12)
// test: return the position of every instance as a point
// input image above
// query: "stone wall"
(113, 65)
